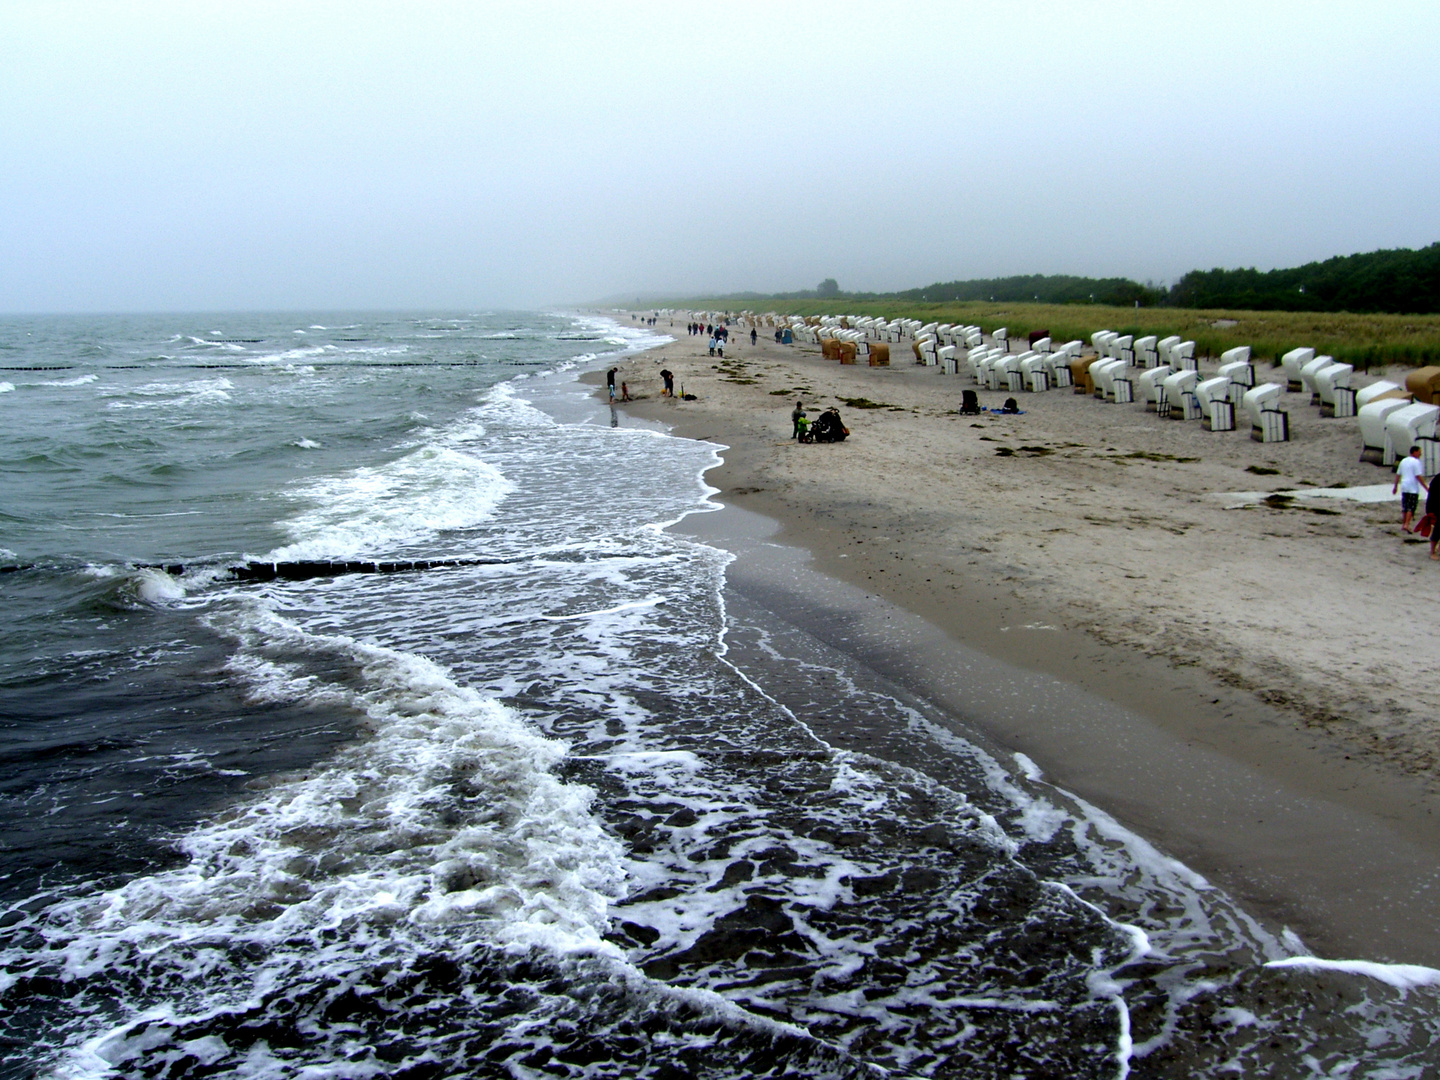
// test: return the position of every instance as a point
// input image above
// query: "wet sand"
(1236, 705)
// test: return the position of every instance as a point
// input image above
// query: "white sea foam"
(169, 395)
(369, 511)
(6, 387)
(79, 380)
(306, 444)
(1402, 977)
(157, 587)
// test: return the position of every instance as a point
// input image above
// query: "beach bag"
(1426, 526)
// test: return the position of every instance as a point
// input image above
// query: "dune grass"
(1363, 340)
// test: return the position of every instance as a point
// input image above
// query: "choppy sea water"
(560, 808)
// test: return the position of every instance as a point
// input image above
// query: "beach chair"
(1057, 367)
(1122, 348)
(1163, 347)
(1080, 375)
(1307, 376)
(1241, 373)
(1151, 385)
(1035, 373)
(988, 378)
(1005, 373)
(1041, 344)
(1146, 353)
(1378, 390)
(1238, 355)
(1407, 426)
(1291, 363)
(1180, 402)
(1268, 422)
(1332, 383)
(1373, 442)
(1424, 383)
(1217, 410)
(1102, 374)
(946, 353)
(1182, 357)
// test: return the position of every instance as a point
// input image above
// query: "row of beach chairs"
(1161, 373)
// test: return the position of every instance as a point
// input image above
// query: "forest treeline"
(1401, 281)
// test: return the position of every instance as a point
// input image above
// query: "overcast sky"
(360, 155)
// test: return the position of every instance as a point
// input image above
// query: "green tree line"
(1402, 282)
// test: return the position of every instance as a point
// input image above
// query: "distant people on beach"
(1409, 479)
(753, 335)
(777, 336)
(610, 381)
(712, 344)
(667, 377)
(796, 415)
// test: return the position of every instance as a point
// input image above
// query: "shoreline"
(1308, 828)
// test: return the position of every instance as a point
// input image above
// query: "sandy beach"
(1248, 680)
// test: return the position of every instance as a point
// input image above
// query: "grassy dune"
(1363, 340)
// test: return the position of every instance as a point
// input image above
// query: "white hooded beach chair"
(1292, 362)
(1152, 386)
(976, 362)
(1123, 348)
(946, 354)
(1367, 394)
(1372, 415)
(1057, 366)
(1332, 383)
(1307, 376)
(1268, 422)
(1180, 402)
(987, 376)
(1182, 357)
(1163, 347)
(1098, 372)
(1005, 373)
(1034, 372)
(1240, 372)
(1217, 411)
(1407, 426)
(1146, 353)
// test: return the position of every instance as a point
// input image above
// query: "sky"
(356, 155)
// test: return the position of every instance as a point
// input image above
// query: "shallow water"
(573, 810)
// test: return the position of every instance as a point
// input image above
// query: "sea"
(364, 714)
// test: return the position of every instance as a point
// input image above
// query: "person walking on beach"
(1409, 479)
(610, 381)
(796, 415)
(624, 391)
(753, 335)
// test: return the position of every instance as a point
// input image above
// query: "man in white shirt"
(1408, 481)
